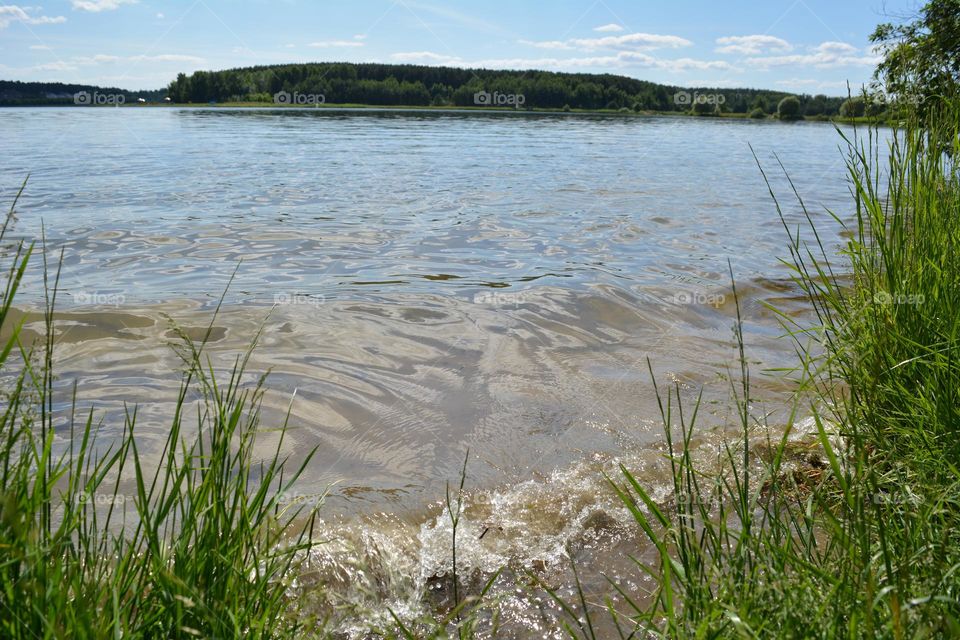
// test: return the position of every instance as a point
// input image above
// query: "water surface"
(427, 282)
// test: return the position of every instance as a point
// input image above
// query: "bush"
(853, 107)
(704, 109)
(875, 105)
(789, 109)
(758, 113)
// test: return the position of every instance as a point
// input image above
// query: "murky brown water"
(427, 284)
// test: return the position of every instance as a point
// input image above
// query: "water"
(438, 281)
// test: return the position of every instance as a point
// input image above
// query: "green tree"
(921, 59)
(875, 104)
(815, 106)
(704, 108)
(853, 107)
(789, 109)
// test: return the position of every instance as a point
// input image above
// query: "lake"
(427, 282)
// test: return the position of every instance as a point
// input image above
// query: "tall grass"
(198, 546)
(860, 539)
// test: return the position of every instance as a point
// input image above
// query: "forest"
(15, 93)
(419, 85)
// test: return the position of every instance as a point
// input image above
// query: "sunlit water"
(427, 283)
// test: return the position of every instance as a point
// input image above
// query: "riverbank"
(623, 112)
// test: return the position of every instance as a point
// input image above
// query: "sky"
(808, 46)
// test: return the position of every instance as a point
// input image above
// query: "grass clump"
(861, 538)
(97, 541)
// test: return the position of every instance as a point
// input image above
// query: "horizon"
(804, 47)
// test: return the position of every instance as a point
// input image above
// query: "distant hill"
(418, 85)
(14, 93)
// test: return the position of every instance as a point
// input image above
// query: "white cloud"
(622, 59)
(711, 82)
(826, 55)
(609, 28)
(102, 58)
(323, 44)
(752, 45)
(167, 57)
(426, 57)
(796, 82)
(835, 47)
(96, 6)
(40, 47)
(547, 44)
(809, 84)
(631, 41)
(55, 66)
(12, 13)
(160, 16)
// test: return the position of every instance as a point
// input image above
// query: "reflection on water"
(426, 283)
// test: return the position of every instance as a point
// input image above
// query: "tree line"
(16, 93)
(420, 85)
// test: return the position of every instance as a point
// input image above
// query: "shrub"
(703, 108)
(875, 105)
(789, 109)
(758, 113)
(853, 107)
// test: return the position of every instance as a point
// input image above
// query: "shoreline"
(349, 107)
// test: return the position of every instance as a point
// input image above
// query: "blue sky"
(811, 46)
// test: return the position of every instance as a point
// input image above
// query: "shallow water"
(427, 282)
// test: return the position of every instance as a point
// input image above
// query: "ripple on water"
(439, 282)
